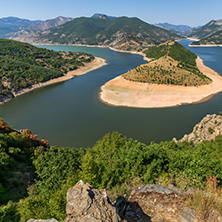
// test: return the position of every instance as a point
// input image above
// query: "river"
(71, 114)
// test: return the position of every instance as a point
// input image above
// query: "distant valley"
(178, 29)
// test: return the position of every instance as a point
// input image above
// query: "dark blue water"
(71, 114)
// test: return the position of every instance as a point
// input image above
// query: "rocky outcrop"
(148, 203)
(87, 204)
(208, 128)
(161, 204)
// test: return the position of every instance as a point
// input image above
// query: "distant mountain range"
(12, 26)
(50, 23)
(178, 29)
(16, 22)
(121, 33)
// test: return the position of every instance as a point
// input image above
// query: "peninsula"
(24, 67)
(174, 77)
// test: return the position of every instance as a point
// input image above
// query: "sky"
(187, 12)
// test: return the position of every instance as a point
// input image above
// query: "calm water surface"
(70, 113)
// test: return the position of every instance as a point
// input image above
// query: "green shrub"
(210, 130)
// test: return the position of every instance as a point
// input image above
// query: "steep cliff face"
(207, 129)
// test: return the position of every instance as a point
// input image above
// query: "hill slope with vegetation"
(22, 65)
(115, 163)
(172, 64)
(211, 27)
(212, 39)
(122, 33)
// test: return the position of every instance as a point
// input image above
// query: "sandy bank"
(193, 39)
(133, 52)
(95, 64)
(121, 92)
(205, 45)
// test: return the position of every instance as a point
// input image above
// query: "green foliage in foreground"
(22, 65)
(112, 163)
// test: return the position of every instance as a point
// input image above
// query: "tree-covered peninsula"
(22, 65)
(172, 64)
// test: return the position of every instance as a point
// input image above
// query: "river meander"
(71, 114)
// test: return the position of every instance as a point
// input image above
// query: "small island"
(24, 67)
(173, 77)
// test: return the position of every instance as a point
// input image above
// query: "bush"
(210, 130)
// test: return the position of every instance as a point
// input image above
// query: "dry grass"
(208, 203)
(165, 70)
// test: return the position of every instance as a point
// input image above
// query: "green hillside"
(116, 163)
(213, 39)
(123, 32)
(22, 65)
(172, 64)
(208, 29)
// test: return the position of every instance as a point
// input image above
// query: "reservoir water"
(71, 114)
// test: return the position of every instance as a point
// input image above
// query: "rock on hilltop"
(148, 203)
(87, 204)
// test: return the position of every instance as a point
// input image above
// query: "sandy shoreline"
(95, 64)
(205, 45)
(121, 92)
(133, 52)
(193, 39)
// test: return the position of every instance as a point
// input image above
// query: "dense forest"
(35, 176)
(172, 64)
(22, 65)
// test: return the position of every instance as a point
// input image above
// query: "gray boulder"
(86, 204)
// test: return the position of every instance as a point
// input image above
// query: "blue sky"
(187, 12)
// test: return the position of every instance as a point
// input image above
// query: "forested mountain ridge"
(22, 65)
(120, 33)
